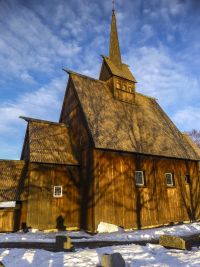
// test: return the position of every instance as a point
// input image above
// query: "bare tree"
(195, 135)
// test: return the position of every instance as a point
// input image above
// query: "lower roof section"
(48, 142)
(12, 175)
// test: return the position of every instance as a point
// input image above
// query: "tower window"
(131, 89)
(139, 178)
(57, 191)
(118, 85)
(124, 87)
(187, 179)
(169, 179)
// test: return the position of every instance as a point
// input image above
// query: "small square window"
(169, 179)
(57, 191)
(118, 85)
(131, 89)
(139, 178)
(187, 179)
(124, 87)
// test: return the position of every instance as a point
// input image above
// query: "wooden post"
(63, 243)
(112, 260)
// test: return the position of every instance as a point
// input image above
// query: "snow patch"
(104, 227)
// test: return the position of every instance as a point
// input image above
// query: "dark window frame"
(143, 178)
(187, 179)
(57, 191)
(172, 183)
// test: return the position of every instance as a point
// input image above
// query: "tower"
(114, 72)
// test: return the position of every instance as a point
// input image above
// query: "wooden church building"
(114, 156)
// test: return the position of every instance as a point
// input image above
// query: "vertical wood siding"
(44, 210)
(118, 200)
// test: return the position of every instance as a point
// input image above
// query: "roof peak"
(115, 54)
(28, 119)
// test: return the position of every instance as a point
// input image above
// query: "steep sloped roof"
(49, 142)
(192, 143)
(120, 71)
(142, 127)
(12, 178)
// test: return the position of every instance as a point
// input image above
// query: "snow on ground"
(147, 234)
(137, 235)
(38, 236)
(134, 255)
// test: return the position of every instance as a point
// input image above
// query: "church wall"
(25, 155)
(44, 211)
(105, 74)
(73, 116)
(13, 189)
(118, 200)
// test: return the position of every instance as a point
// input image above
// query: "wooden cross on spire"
(113, 4)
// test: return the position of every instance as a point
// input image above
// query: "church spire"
(113, 71)
(115, 54)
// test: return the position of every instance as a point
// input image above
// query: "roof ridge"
(82, 75)
(150, 97)
(28, 119)
(124, 64)
(191, 143)
(12, 160)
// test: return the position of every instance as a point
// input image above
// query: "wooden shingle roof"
(142, 127)
(114, 62)
(120, 71)
(49, 142)
(192, 143)
(12, 179)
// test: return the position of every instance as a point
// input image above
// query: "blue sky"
(159, 39)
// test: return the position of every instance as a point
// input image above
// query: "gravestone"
(179, 242)
(172, 241)
(112, 260)
(64, 243)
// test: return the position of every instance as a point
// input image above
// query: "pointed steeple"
(115, 54)
(113, 70)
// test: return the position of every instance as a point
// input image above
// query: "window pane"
(169, 179)
(57, 191)
(187, 178)
(139, 178)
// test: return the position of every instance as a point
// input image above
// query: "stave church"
(114, 156)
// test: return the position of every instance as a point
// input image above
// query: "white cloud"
(45, 103)
(26, 77)
(177, 7)
(32, 46)
(188, 118)
(147, 32)
(160, 75)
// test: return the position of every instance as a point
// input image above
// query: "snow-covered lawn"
(134, 255)
(137, 235)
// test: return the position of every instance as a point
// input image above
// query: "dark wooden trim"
(25, 139)
(65, 96)
(84, 76)
(143, 154)
(84, 116)
(42, 121)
